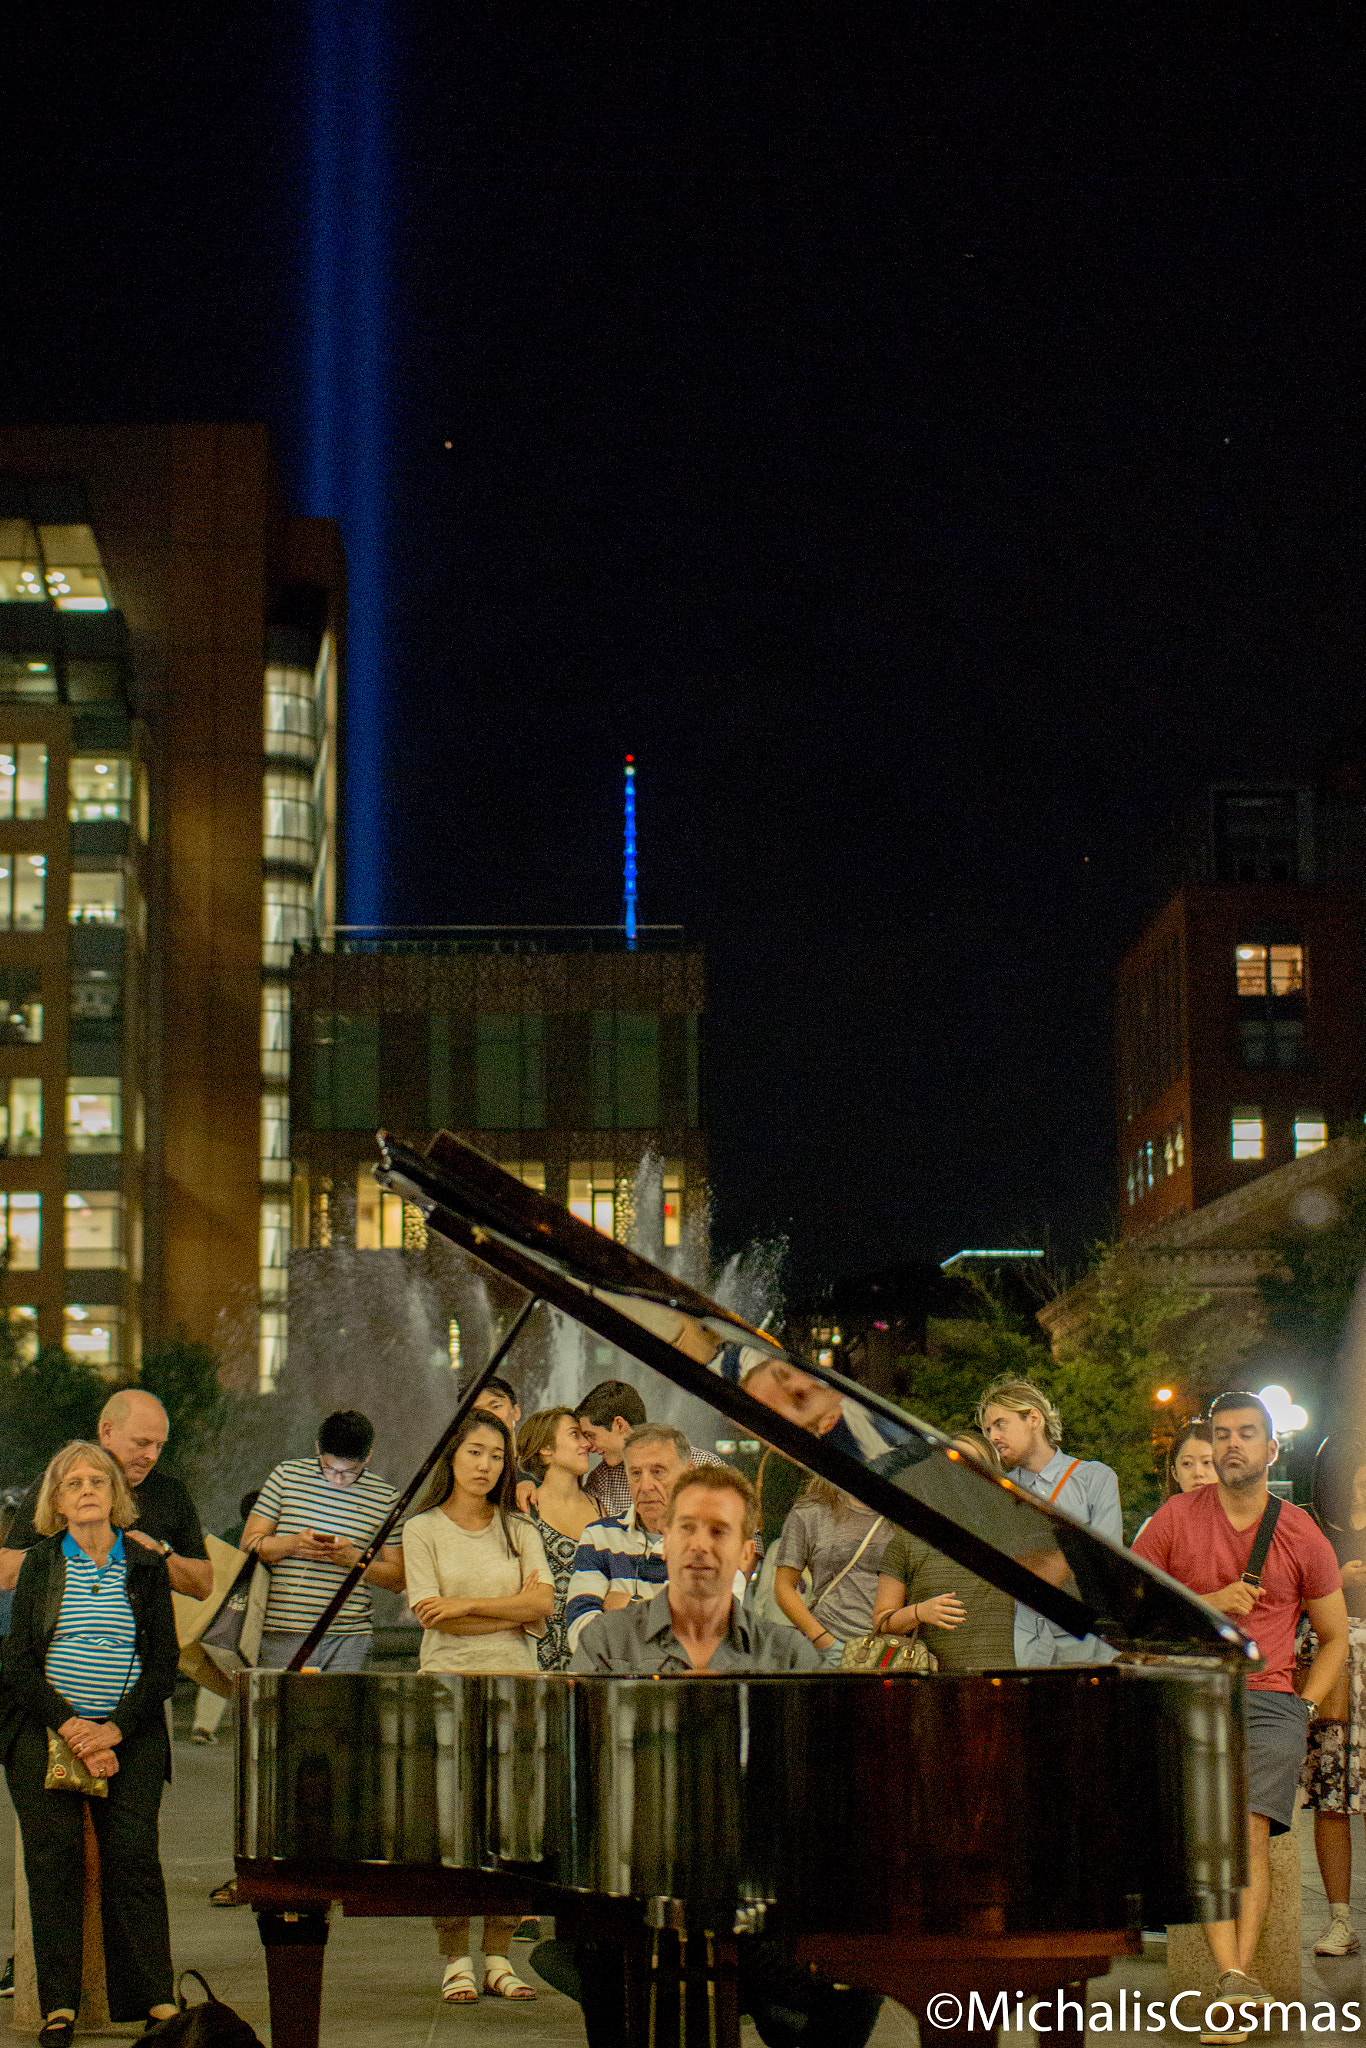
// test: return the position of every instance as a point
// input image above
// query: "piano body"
(953, 1833)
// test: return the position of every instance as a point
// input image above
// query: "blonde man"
(1025, 1430)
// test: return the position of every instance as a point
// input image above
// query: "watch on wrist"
(165, 1549)
(1312, 1709)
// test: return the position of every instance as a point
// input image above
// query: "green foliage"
(44, 1403)
(1111, 1358)
(184, 1378)
(965, 1355)
(1308, 1297)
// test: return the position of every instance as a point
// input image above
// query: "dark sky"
(933, 450)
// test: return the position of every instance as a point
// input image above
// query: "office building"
(1239, 1013)
(171, 661)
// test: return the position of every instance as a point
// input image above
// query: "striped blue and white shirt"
(297, 1497)
(92, 1659)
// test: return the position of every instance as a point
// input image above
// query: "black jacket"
(26, 1694)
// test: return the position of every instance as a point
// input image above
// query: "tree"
(45, 1402)
(184, 1378)
(964, 1354)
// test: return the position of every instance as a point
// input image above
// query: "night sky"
(934, 451)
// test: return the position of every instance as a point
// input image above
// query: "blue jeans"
(336, 1652)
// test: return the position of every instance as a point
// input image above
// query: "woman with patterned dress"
(1332, 1774)
(551, 1445)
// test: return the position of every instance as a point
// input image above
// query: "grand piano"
(966, 1833)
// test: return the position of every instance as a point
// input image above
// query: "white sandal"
(502, 1981)
(457, 1983)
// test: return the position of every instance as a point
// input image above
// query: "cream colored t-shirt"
(442, 1561)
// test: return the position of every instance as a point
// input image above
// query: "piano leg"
(295, 1944)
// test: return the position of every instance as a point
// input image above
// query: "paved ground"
(382, 1975)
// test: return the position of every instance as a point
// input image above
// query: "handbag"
(210, 2024)
(66, 1772)
(888, 1653)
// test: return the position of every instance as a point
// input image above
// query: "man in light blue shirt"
(1026, 1430)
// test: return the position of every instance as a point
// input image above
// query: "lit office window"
(379, 1215)
(673, 1206)
(1251, 970)
(21, 1119)
(274, 1270)
(1287, 970)
(275, 1033)
(97, 897)
(93, 1334)
(1246, 1134)
(22, 1217)
(274, 1352)
(1168, 1153)
(96, 995)
(286, 916)
(288, 806)
(21, 1006)
(1180, 1145)
(23, 781)
(289, 712)
(23, 1329)
(94, 1113)
(23, 888)
(1269, 970)
(94, 1231)
(1311, 1135)
(75, 575)
(275, 1137)
(100, 789)
(593, 1194)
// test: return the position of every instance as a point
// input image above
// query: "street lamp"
(1164, 1394)
(1286, 1415)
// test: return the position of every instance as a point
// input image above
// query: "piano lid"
(898, 1466)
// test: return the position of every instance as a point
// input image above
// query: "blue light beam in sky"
(628, 903)
(347, 273)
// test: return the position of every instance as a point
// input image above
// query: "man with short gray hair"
(133, 1429)
(620, 1557)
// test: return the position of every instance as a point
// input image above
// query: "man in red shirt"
(1205, 1539)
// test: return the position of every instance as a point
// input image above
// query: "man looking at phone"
(312, 1520)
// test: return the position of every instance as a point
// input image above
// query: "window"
(23, 885)
(1180, 1144)
(626, 1070)
(23, 781)
(96, 995)
(94, 1113)
(275, 1033)
(21, 1007)
(1246, 1135)
(275, 1137)
(286, 918)
(530, 1172)
(593, 1194)
(93, 1334)
(1270, 970)
(274, 1270)
(1131, 1182)
(78, 584)
(509, 1070)
(1311, 1135)
(22, 1216)
(289, 816)
(21, 1120)
(673, 1206)
(289, 724)
(1272, 1041)
(94, 1231)
(97, 897)
(379, 1215)
(345, 1071)
(274, 1348)
(1168, 1153)
(99, 787)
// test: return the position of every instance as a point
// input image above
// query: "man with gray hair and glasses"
(1025, 1429)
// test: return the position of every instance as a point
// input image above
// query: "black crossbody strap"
(1266, 1529)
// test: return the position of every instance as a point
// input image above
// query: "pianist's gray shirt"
(639, 1642)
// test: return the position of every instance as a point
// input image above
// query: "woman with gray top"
(840, 1543)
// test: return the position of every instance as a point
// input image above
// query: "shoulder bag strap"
(1063, 1481)
(1266, 1529)
(845, 1569)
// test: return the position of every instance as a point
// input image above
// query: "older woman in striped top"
(91, 1654)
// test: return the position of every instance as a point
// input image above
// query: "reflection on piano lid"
(898, 1466)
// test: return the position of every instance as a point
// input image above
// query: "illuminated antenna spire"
(628, 902)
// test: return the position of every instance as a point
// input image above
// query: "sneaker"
(7, 1981)
(530, 1930)
(1238, 1988)
(202, 1735)
(1340, 1940)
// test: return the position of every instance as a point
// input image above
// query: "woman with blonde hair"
(479, 1583)
(91, 1656)
(551, 1444)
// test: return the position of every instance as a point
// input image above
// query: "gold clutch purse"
(66, 1772)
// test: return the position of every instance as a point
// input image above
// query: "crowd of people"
(523, 1555)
